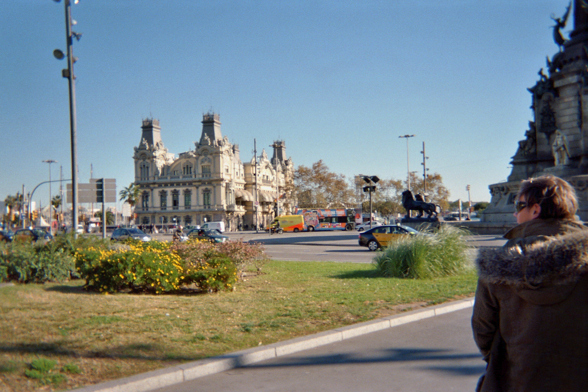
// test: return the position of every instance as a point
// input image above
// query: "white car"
(79, 230)
(366, 225)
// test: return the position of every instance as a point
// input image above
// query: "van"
(293, 223)
(220, 226)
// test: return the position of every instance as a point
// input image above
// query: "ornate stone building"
(557, 139)
(210, 183)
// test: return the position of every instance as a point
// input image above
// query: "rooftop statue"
(560, 23)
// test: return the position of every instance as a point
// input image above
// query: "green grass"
(444, 253)
(95, 337)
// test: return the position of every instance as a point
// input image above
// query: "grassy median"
(78, 338)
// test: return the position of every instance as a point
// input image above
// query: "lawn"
(96, 337)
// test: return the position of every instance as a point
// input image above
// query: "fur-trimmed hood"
(542, 269)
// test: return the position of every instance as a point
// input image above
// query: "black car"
(380, 236)
(32, 235)
(205, 234)
(125, 233)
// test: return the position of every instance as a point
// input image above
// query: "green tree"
(109, 217)
(56, 201)
(14, 205)
(130, 195)
(480, 206)
(317, 187)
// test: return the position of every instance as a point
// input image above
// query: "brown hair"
(556, 197)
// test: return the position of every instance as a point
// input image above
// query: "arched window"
(175, 199)
(229, 196)
(144, 171)
(206, 171)
(206, 197)
(163, 200)
(145, 201)
(187, 199)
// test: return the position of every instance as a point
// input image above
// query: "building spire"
(211, 128)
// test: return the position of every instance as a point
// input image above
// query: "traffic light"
(371, 188)
(371, 179)
(100, 190)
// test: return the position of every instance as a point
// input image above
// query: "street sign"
(97, 191)
(105, 189)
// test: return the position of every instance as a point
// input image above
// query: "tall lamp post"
(407, 160)
(69, 74)
(468, 187)
(425, 169)
(49, 162)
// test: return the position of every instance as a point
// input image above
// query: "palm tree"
(14, 204)
(109, 216)
(56, 202)
(130, 195)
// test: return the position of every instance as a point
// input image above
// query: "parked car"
(210, 235)
(380, 236)
(366, 225)
(79, 230)
(125, 233)
(6, 235)
(32, 235)
(220, 226)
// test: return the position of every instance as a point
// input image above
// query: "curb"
(189, 371)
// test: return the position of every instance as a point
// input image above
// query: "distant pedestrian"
(530, 317)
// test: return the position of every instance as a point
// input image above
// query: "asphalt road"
(337, 246)
(435, 354)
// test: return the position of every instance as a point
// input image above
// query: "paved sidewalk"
(430, 350)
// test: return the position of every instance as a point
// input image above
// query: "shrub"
(137, 267)
(216, 272)
(244, 255)
(210, 266)
(425, 256)
(27, 262)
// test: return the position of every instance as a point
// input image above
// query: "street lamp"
(50, 161)
(468, 188)
(407, 160)
(69, 74)
(425, 169)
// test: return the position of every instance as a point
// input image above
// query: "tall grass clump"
(425, 256)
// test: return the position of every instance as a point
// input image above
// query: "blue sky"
(337, 80)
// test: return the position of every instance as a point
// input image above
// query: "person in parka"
(530, 317)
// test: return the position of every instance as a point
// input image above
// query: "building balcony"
(191, 208)
(235, 208)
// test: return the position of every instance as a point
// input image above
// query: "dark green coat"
(530, 317)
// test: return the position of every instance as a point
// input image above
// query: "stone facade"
(557, 139)
(210, 183)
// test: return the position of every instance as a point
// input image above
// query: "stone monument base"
(501, 208)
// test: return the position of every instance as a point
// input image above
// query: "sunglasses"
(520, 205)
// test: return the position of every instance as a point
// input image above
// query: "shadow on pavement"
(390, 355)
